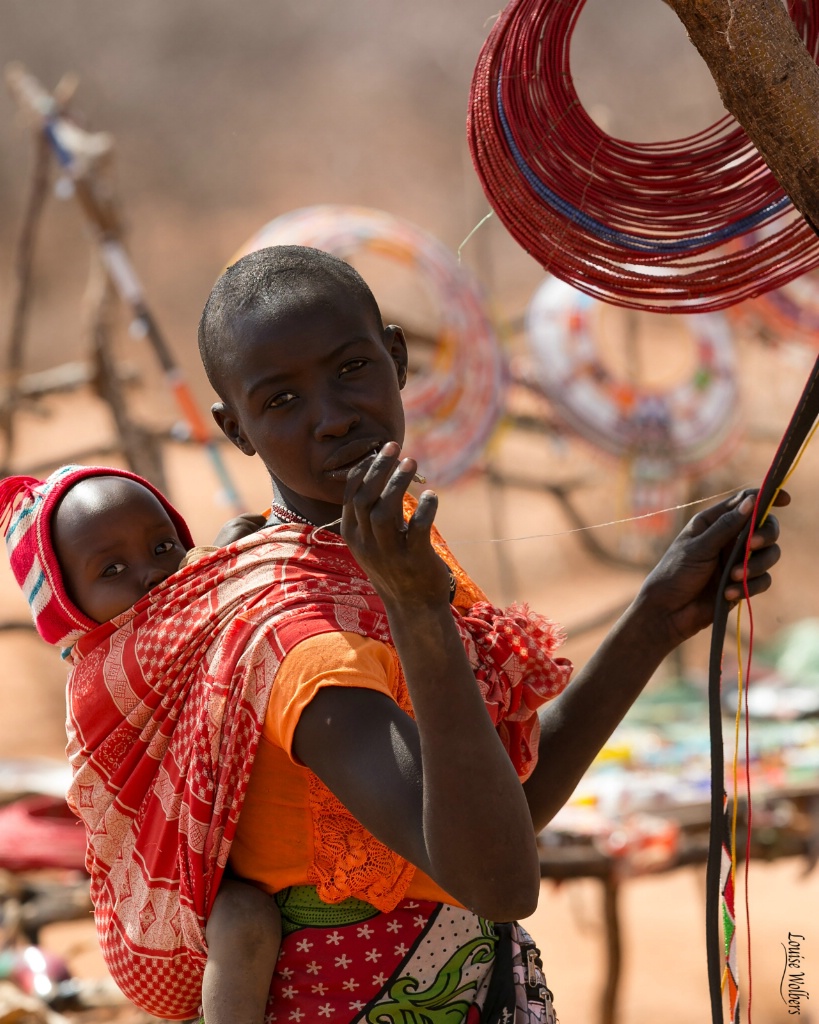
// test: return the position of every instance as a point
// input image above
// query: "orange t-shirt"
(292, 830)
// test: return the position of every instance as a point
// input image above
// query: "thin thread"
(560, 533)
(328, 526)
(596, 526)
(288, 516)
(577, 529)
(480, 224)
(750, 811)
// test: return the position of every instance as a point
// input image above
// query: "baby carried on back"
(166, 705)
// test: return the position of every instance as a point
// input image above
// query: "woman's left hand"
(681, 590)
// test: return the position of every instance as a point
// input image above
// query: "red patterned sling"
(165, 709)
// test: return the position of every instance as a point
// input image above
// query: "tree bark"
(768, 81)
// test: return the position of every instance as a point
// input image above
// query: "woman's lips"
(341, 471)
(342, 464)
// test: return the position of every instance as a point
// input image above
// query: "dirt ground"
(225, 117)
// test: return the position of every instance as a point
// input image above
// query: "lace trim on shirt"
(348, 860)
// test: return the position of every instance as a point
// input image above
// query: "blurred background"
(224, 117)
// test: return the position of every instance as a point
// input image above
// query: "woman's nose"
(335, 418)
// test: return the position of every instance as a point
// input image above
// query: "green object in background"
(794, 653)
(679, 699)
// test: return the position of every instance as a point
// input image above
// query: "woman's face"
(313, 390)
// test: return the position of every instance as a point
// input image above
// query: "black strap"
(501, 997)
(805, 415)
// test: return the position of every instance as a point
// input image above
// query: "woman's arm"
(676, 601)
(439, 790)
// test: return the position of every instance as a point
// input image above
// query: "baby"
(85, 545)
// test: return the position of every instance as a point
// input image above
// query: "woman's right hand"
(396, 554)
(439, 787)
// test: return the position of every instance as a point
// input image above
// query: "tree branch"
(768, 81)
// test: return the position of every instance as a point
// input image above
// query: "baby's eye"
(113, 570)
(163, 547)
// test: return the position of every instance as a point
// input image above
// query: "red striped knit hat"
(26, 508)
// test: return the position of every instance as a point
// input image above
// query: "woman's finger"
(366, 480)
(766, 534)
(423, 517)
(756, 585)
(758, 573)
(714, 530)
(387, 513)
(759, 563)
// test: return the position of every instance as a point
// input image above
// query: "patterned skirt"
(422, 963)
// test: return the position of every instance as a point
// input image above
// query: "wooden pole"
(768, 81)
(614, 947)
(141, 448)
(19, 321)
(81, 155)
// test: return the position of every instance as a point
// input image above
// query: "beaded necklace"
(286, 515)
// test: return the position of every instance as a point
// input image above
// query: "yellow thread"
(791, 471)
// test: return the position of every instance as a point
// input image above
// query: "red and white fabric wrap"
(166, 707)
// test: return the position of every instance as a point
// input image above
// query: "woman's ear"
(396, 345)
(231, 427)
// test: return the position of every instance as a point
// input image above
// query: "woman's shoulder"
(339, 651)
(332, 659)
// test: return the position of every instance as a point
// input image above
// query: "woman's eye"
(113, 570)
(277, 401)
(353, 364)
(164, 547)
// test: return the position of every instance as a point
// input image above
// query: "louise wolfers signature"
(793, 986)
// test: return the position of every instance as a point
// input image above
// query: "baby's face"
(114, 542)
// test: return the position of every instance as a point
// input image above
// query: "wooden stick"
(81, 154)
(24, 262)
(140, 447)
